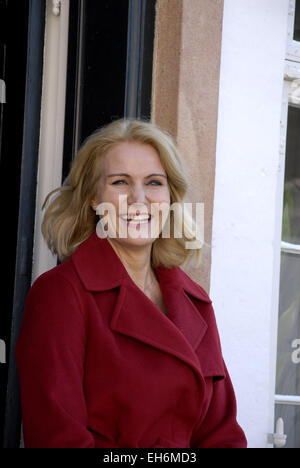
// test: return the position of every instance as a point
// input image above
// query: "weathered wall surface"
(185, 96)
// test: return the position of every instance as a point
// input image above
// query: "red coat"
(101, 366)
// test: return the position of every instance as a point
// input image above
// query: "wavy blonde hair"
(69, 218)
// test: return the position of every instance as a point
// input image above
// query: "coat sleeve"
(220, 428)
(50, 355)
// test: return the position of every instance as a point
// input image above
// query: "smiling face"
(133, 171)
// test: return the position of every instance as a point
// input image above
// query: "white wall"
(247, 205)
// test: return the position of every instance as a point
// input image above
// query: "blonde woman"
(118, 345)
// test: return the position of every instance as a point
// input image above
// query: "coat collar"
(95, 252)
(179, 333)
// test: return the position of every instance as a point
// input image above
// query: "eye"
(117, 182)
(155, 182)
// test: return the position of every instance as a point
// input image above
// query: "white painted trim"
(52, 124)
(56, 5)
(291, 71)
(2, 352)
(290, 248)
(2, 92)
(293, 47)
(287, 400)
(292, 83)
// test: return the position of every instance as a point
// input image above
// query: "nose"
(137, 194)
(137, 199)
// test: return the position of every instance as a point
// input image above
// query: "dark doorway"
(109, 76)
(96, 69)
(109, 66)
(19, 161)
(13, 56)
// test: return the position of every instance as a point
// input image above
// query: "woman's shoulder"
(55, 295)
(62, 276)
(53, 313)
(191, 286)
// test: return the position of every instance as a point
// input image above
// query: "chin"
(132, 242)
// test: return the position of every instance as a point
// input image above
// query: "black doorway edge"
(24, 248)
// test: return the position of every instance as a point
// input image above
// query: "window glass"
(288, 343)
(291, 206)
(291, 417)
(297, 22)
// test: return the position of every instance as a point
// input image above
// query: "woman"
(118, 346)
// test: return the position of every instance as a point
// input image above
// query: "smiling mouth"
(142, 218)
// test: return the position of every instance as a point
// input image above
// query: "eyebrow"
(127, 175)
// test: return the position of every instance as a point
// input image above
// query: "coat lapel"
(136, 316)
(178, 333)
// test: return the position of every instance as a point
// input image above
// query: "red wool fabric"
(101, 366)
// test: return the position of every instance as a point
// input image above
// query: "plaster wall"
(248, 204)
(185, 97)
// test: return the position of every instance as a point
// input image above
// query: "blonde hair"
(69, 218)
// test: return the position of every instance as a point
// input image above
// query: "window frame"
(293, 47)
(291, 75)
(292, 72)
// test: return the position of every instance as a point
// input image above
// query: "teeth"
(136, 218)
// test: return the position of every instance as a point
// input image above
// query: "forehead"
(132, 156)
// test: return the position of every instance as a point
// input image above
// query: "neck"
(137, 262)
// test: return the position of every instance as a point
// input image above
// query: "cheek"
(162, 195)
(109, 196)
(114, 198)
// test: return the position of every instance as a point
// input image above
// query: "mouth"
(136, 219)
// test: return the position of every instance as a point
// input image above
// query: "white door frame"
(52, 122)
